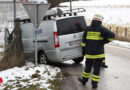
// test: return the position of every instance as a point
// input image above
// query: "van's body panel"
(70, 44)
(27, 39)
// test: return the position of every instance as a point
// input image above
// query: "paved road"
(116, 77)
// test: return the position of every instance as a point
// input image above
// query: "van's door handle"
(41, 41)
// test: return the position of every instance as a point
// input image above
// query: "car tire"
(42, 58)
(78, 60)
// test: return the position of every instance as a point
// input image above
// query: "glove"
(105, 41)
(83, 51)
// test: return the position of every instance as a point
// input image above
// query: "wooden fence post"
(125, 32)
(117, 31)
(110, 28)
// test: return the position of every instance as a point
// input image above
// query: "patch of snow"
(2, 37)
(45, 1)
(1, 49)
(26, 72)
(98, 2)
(39, 1)
(121, 43)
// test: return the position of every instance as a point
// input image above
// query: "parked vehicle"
(59, 40)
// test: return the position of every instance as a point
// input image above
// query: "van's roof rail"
(25, 20)
(63, 14)
(50, 17)
(59, 15)
(77, 10)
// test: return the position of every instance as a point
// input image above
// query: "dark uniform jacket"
(94, 38)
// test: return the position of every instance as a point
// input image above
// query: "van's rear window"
(67, 25)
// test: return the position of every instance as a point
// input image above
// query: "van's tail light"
(56, 40)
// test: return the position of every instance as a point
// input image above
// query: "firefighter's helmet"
(98, 17)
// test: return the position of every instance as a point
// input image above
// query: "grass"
(55, 83)
(1, 46)
(25, 80)
(8, 87)
(31, 87)
(1, 53)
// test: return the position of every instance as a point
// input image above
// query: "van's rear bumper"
(70, 57)
(58, 55)
(71, 53)
(53, 55)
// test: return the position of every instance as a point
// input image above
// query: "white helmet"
(98, 17)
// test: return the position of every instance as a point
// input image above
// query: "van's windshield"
(67, 25)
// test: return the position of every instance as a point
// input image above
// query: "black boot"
(104, 65)
(94, 85)
(82, 80)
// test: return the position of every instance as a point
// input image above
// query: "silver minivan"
(59, 39)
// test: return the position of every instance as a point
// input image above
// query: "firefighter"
(95, 37)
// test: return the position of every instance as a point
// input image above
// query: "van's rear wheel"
(42, 58)
(78, 60)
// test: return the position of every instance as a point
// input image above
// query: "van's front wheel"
(42, 58)
(78, 60)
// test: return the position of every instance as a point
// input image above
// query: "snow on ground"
(45, 1)
(114, 11)
(25, 76)
(120, 43)
(1, 49)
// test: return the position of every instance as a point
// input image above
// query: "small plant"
(8, 87)
(46, 71)
(11, 80)
(18, 77)
(37, 71)
(25, 80)
(36, 75)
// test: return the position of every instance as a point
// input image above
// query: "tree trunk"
(14, 54)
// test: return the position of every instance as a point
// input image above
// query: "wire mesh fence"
(6, 13)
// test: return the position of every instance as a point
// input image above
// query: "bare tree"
(14, 55)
